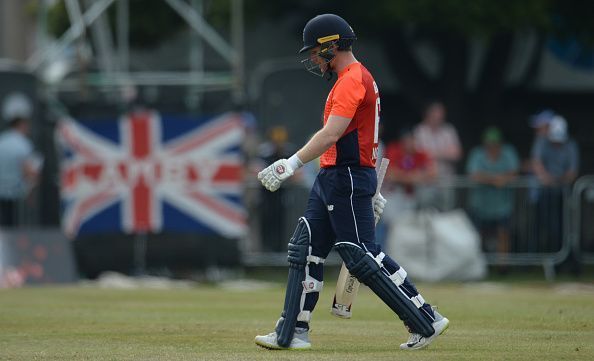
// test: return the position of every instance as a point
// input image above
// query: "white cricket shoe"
(417, 341)
(300, 340)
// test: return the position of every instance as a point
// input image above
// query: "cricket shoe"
(300, 340)
(417, 341)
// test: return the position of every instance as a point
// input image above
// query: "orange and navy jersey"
(355, 96)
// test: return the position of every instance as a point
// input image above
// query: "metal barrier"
(545, 224)
(582, 222)
(539, 222)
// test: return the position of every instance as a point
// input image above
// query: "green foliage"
(151, 21)
(467, 17)
(483, 17)
(57, 19)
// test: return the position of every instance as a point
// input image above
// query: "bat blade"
(347, 287)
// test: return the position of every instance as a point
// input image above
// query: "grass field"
(488, 322)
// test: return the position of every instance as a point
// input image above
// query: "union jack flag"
(152, 173)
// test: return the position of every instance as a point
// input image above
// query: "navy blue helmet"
(325, 28)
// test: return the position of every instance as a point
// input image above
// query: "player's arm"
(347, 96)
(324, 138)
(273, 175)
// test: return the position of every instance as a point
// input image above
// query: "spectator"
(439, 139)
(272, 211)
(411, 170)
(19, 166)
(556, 159)
(556, 163)
(493, 165)
(540, 123)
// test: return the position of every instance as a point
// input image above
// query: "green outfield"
(492, 321)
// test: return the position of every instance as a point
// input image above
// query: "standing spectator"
(273, 207)
(439, 138)
(556, 159)
(19, 167)
(540, 123)
(556, 163)
(493, 165)
(411, 168)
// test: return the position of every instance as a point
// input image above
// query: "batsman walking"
(343, 202)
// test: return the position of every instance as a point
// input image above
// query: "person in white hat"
(19, 166)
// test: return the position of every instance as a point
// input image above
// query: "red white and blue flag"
(151, 173)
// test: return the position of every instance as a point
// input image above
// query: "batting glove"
(379, 202)
(273, 175)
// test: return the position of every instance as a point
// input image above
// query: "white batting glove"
(273, 175)
(379, 202)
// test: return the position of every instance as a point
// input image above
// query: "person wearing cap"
(493, 165)
(540, 123)
(556, 158)
(555, 163)
(19, 166)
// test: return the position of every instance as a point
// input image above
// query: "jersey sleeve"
(347, 96)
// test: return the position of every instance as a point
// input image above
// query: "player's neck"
(343, 60)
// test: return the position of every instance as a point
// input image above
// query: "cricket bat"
(347, 285)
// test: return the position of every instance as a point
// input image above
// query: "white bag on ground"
(434, 246)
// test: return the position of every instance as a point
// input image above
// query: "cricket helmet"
(327, 28)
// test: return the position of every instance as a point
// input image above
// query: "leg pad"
(367, 270)
(298, 253)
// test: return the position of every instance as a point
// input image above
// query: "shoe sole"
(278, 348)
(431, 339)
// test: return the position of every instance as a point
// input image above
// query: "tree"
(449, 28)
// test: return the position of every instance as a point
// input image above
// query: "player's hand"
(379, 202)
(273, 175)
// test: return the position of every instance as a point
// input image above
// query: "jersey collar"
(347, 68)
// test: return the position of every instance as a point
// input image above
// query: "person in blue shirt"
(556, 165)
(493, 165)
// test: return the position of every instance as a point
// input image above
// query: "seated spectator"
(492, 165)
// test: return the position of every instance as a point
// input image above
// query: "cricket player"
(342, 206)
